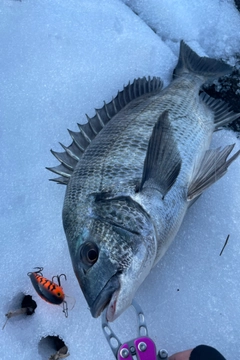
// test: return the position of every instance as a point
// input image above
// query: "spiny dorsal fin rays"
(90, 123)
(163, 161)
(84, 132)
(213, 166)
(78, 144)
(89, 131)
(65, 159)
(106, 110)
(71, 154)
(63, 172)
(223, 113)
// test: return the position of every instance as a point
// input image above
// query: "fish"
(133, 170)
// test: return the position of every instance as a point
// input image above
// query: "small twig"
(15, 313)
(224, 245)
(28, 307)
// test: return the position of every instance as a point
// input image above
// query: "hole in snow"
(52, 347)
(29, 304)
(20, 306)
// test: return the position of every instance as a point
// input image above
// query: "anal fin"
(213, 166)
(163, 162)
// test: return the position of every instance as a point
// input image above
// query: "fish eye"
(89, 253)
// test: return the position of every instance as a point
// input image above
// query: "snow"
(60, 59)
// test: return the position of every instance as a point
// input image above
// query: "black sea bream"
(132, 172)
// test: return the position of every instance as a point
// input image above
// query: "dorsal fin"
(69, 158)
(223, 113)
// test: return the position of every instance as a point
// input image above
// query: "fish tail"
(190, 62)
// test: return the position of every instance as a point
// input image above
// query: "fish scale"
(119, 150)
(133, 171)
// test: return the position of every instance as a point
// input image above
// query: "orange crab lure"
(48, 290)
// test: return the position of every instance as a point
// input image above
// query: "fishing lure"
(48, 290)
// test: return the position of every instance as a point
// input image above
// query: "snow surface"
(60, 59)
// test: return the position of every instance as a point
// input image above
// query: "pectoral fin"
(163, 162)
(213, 166)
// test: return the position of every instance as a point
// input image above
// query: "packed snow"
(59, 60)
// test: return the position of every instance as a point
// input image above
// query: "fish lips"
(99, 283)
(105, 297)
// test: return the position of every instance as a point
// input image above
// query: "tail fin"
(206, 67)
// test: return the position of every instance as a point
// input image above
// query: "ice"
(204, 23)
(59, 60)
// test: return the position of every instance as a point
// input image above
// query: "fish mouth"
(108, 296)
(111, 310)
